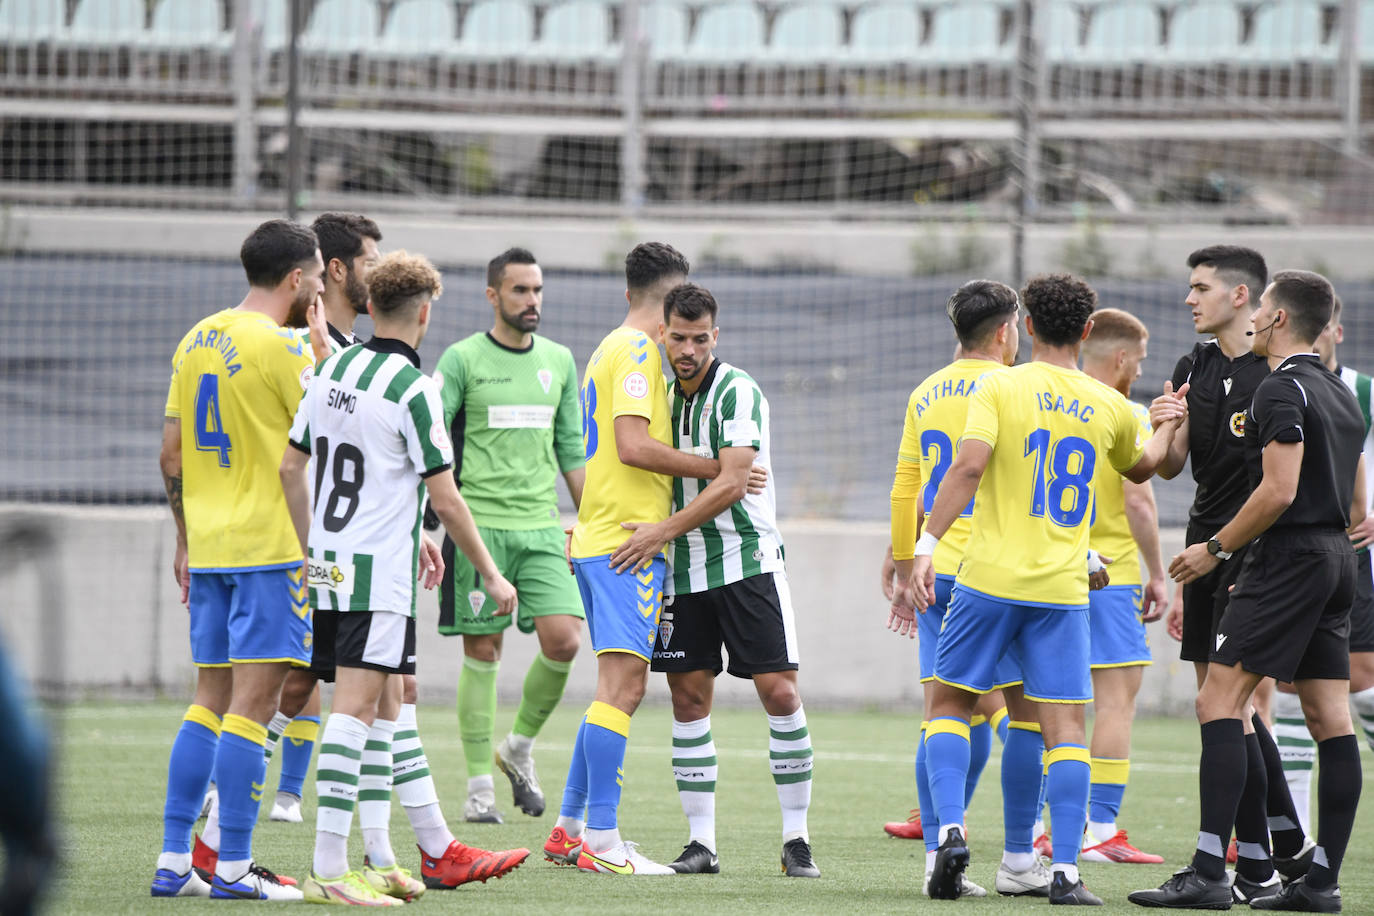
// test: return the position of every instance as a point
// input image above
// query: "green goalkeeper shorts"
(533, 561)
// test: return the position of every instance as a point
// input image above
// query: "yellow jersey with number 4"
(237, 378)
(624, 378)
(1049, 428)
(1111, 532)
(935, 416)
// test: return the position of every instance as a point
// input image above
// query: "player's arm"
(636, 448)
(1282, 463)
(575, 479)
(1360, 498)
(169, 459)
(956, 491)
(453, 511)
(648, 540)
(296, 487)
(1177, 454)
(1142, 517)
(903, 523)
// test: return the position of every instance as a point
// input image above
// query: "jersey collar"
(342, 339)
(491, 337)
(392, 345)
(1288, 360)
(705, 381)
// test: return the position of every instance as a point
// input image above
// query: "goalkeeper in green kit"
(511, 408)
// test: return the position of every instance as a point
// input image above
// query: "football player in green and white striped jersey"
(725, 585)
(1296, 747)
(374, 427)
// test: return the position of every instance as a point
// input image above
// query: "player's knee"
(779, 697)
(410, 692)
(482, 648)
(690, 705)
(560, 644)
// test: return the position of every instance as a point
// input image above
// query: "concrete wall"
(99, 612)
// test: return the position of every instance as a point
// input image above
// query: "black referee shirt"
(1221, 390)
(1303, 401)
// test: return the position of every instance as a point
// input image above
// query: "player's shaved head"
(274, 249)
(1114, 329)
(403, 281)
(1307, 297)
(1060, 306)
(650, 263)
(978, 308)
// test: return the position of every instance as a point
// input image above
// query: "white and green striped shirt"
(374, 425)
(1361, 385)
(727, 411)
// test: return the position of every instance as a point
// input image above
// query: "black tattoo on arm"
(173, 485)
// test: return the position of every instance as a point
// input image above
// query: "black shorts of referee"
(1289, 616)
(1205, 599)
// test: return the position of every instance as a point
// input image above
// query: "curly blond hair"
(401, 279)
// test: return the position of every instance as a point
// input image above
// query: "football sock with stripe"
(241, 777)
(1221, 768)
(1285, 828)
(374, 794)
(414, 786)
(544, 683)
(930, 819)
(695, 769)
(1364, 713)
(1000, 722)
(188, 774)
(604, 739)
(1338, 795)
(1109, 778)
(336, 787)
(1298, 752)
(1252, 822)
(477, 715)
(791, 758)
(1067, 778)
(947, 756)
(296, 753)
(275, 728)
(979, 749)
(1022, 767)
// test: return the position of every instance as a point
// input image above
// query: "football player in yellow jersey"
(1034, 436)
(237, 377)
(630, 463)
(1125, 528)
(984, 314)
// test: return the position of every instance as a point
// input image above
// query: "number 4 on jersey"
(210, 434)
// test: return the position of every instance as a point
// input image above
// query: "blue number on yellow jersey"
(1111, 532)
(624, 378)
(1049, 428)
(237, 378)
(935, 416)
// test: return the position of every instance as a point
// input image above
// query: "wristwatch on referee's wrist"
(1214, 548)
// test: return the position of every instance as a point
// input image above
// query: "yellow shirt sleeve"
(631, 391)
(982, 422)
(1127, 444)
(289, 373)
(906, 488)
(173, 408)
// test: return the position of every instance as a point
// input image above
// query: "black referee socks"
(1221, 772)
(1253, 862)
(1338, 794)
(1284, 825)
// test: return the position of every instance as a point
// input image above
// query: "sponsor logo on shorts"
(1221, 638)
(677, 654)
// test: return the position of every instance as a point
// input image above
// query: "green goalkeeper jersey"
(515, 423)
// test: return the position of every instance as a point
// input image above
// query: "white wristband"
(1095, 563)
(925, 544)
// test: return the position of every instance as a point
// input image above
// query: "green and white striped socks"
(695, 768)
(415, 786)
(1298, 752)
(336, 785)
(374, 794)
(789, 753)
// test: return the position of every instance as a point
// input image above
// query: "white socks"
(414, 786)
(789, 753)
(336, 785)
(374, 794)
(695, 769)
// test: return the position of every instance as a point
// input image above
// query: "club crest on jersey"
(1238, 424)
(1226, 385)
(475, 600)
(545, 379)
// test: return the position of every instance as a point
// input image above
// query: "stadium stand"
(420, 28)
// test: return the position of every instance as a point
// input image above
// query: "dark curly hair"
(650, 262)
(1060, 306)
(689, 302)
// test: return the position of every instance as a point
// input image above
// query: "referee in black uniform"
(1223, 373)
(1289, 616)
